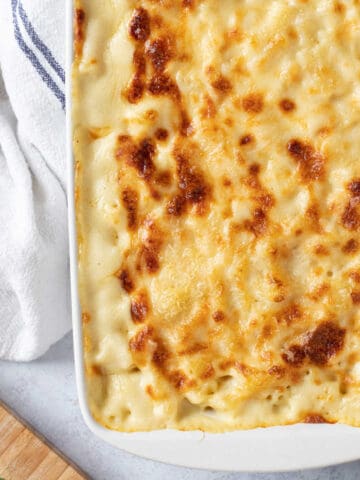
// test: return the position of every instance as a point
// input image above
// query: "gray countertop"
(44, 393)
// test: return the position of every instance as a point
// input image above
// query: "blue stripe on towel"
(39, 43)
(33, 59)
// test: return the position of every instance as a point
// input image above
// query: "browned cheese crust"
(218, 211)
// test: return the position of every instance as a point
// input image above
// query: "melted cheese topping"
(218, 208)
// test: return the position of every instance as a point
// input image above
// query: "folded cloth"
(34, 285)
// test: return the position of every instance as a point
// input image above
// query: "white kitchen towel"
(34, 285)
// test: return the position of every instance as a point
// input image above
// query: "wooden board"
(24, 455)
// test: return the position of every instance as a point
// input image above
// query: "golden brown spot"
(139, 60)
(95, 369)
(157, 21)
(100, 132)
(159, 53)
(350, 218)
(176, 206)
(161, 134)
(178, 379)
(160, 355)
(208, 372)
(79, 22)
(324, 342)
(253, 103)
(85, 317)
(225, 364)
(351, 246)
(140, 157)
(163, 84)
(246, 139)
(355, 276)
(314, 418)
(252, 180)
(160, 359)
(258, 224)
(188, 3)
(244, 369)
(289, 314)
(192, 349)
(276, 281)
(319, 292)
(324, 131)
(136, 87)
(267, 331)
(150, 249)
(155, 194)
(209, 109)
(279, 298)
(355, 297)
(163, 178)
(287, 105)
(218, 316)
(130, 200)
(150, 258)
(186, 128)
(265, 201)
(226, 182)
(126, 147)
(150, 391)
(233, 34)
(139, 342)
(339, 7)
(294, 356)
(226, 213)
(292, 33)
(312, 214)
(139, 27)
(311, 163)
(151, 115)
(139, 307)
(190, 180)
(295, 376)
(277, 371)
(254, 169)
(125, 279)
(143, 158)
(321, 250)
(222, 84)
(354, 188)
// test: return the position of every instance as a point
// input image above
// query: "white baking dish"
(271, 449)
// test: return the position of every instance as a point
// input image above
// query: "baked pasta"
(217, 149)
